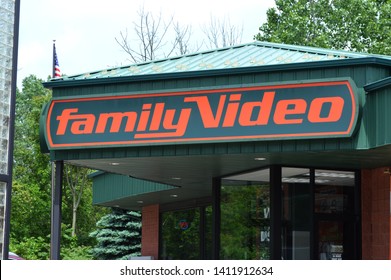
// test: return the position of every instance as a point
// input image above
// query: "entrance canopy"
(180, 122)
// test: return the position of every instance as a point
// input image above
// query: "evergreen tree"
(118, 235)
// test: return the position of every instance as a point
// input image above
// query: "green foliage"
(32, 248)
(31, 190)
(243, 222)
(77, 194)
(30, 214)
(38, 248)
(118, 236)
(70, 248)
(355, 25)
(30, 207)
(76, 253)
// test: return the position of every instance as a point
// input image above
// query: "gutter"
(380, 84)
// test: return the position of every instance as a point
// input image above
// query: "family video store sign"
(284, 111)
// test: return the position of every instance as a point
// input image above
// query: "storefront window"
(296, 213)
(318, 206)
(186, 234)
(314, 217)
(181, 235)
(334, 215)
(206, 248)
(333, 191)
(245, 216)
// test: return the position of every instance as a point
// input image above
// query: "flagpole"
(53, 59)
(57, 176)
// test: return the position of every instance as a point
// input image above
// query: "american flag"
(56, 66)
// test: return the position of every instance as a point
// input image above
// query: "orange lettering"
(63, 120)
(83, 126)
(232, 110)
(182, 123)
(144, 116)
(265, 107)
(208, 119)
(116, 121)
(157, 117)
(334, 114)
(168, 123)
(284, 108)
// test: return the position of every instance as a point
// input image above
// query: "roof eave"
(220, 72)
(383, 83)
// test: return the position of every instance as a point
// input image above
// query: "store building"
(9, 37)
(258, 151)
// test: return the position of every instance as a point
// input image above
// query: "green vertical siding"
(378, 122)
(108, 187)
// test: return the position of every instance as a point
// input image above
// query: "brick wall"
(150, 231)
(376, 228)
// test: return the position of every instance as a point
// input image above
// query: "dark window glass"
(296, 213)
(334, 215)
(334, 191)
(180, 232)
(245, 216)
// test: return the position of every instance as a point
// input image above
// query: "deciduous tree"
(354, 25)
(152, 38)
(31, 191)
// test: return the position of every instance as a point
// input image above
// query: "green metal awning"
(185, 171)
(114, 190)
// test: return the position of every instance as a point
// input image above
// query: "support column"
(150, 231)
(376, 228)
(55, 236)
(275, 212)
(216, 218)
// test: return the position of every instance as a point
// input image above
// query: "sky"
(85, 30)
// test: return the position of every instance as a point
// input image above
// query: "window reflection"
(245, 216)
(333, 191)
(334, 210)
(181, 235)
(186, 234)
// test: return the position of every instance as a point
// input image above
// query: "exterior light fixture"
(260, 158)
(114, 163)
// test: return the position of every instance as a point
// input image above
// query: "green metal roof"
(253, 54)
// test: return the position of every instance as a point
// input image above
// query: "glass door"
(245, 216)
(334, 218)
(318, 214)
(186, 234)
(296, 214)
